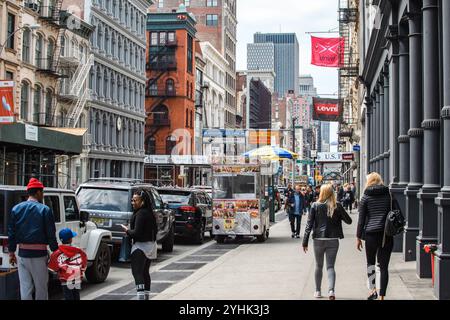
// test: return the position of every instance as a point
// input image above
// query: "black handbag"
(395, 223)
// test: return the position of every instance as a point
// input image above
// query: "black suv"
(108, 201)
(193, 211)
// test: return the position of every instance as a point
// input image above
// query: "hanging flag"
(327, 52)
(327, 110)
(6, 101)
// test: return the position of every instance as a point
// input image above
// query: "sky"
(291, 16)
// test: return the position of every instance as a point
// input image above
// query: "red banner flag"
(327, 52)
(327, 109)
(6, 102)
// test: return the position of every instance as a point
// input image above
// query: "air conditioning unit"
(32, 5)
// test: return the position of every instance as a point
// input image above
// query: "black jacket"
(373, 208)
(324, 226)
(143, 226)
(348, 197)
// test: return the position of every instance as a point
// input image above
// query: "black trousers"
(140, 268)
(70, 294)
(376, 251)
(295, 222)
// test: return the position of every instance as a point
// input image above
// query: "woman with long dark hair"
(143, 230)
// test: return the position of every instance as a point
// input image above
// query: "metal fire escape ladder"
(348, 72)
(77, 109)
(80, 76)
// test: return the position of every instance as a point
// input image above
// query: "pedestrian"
(374, 207)
(348, 198)
(325, 221)
(305, 200)
(31, 228)
(295, 204)
(353, 188)
(142, 230)
(70, 263)
(309, 198)
(288, 191)
(340, 193)
(316, 193)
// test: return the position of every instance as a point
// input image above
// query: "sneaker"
(297, 236)
(317, 294)
(293, 235)
(331, 295)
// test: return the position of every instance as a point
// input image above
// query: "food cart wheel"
(220, 239)
(263, 237)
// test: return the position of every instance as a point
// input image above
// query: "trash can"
(9, 285)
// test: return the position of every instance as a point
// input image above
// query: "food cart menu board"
(234, 216)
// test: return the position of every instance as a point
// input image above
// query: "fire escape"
(348, 73)
(60, 65)
(161, 61)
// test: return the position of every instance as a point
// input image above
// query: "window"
(48, 105)
(171, 142)
(211, 3)
(162, 38)
(187, 3)
(39, 45)
(151, 145)
(63, 46)
(170, 87)
(71, 209)
(187, 118)
(190, 54)
(157, 200)
(154, 39)
(212, 20)
(152, 87)
(26, 45)
(160, 3)
(24, 100)
(9, 75)
(50, 51)
(11, 28)
(37, 103)
(53, 203)
(171, 37)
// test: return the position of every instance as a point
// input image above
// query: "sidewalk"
(278, 269)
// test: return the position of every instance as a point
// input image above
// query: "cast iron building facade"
(286, 57)
(405, 71)
(116, 117)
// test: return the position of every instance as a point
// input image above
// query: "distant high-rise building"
(286, 55)
(261, 56)
(325, 135)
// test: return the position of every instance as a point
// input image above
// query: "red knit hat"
(34, 184)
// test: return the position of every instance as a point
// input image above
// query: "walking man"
(32, 228)
(295, 204)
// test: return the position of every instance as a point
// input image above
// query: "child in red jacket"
(70, 263)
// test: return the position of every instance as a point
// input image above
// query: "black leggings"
(140, 267)
(375, 250)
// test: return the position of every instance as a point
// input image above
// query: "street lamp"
(32, 27)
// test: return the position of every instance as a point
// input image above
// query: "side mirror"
(84, 216)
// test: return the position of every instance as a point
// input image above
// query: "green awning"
(62, 140)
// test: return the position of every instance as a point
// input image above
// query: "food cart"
(241, 200)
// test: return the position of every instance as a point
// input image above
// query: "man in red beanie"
(31, 228)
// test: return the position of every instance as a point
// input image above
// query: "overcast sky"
(297, 16)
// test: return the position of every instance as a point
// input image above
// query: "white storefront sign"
(31, 133)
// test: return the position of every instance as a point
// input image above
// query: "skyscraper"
(216, 23)
(286, 55)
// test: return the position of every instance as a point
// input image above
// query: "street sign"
(310, 162)
(356, 148)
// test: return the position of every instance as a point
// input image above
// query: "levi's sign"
(327, 109)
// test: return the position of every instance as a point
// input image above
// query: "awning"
(62, 140)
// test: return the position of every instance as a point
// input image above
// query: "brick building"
(170, 93)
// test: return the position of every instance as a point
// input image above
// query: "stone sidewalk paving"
(278, 269)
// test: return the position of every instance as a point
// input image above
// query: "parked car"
(193, 211)
(108, 201)
(94, 241)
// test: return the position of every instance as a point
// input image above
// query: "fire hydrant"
(431, 248)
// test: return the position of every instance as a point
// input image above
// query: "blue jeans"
(70, 294)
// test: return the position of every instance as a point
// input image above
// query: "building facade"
(115, 114)
(216, 24)
(261, 56)
(405, 72)
(286, 59)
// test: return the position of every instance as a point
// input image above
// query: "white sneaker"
(331, 295)
(317, 294)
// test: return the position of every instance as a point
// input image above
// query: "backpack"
(395, 223)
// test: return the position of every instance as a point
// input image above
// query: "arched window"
(107, 41)
(24, 100)
(62, 118)
(50, 52)
(171, 142)
(100, 37)
(26, 45)
(105, 85)
(152, 87)
(39, 50)
(37, 101)
(187, 118)
(170, 87)
(192, 120)
(160, 114)
(48, 106)
(150, 146)
(119, 90)
(111, 135)
(97, 137)
(99, 83)
(104, 130)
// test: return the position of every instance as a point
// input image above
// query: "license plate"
(105, 223)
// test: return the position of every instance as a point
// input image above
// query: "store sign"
(31, 133)
(347, 156)
(6, 101)
(157, 159)
(334, 157)
(332, 167)
(327, 109)
(223, 136)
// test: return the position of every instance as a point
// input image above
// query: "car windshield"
(178, 197)
(104, 199)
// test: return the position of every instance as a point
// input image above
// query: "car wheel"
(167, 244)
(200, 235)
(99, 270)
